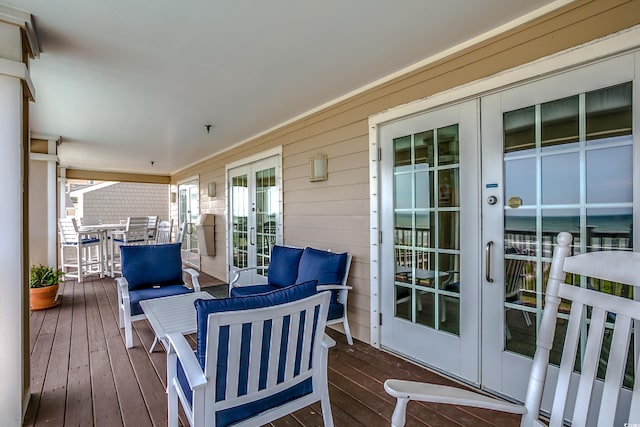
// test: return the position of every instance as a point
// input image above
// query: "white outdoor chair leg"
(347, 330)
(153, 345)
(399, 413)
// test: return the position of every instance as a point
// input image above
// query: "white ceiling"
(127, 82)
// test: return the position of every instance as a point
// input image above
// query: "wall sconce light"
(211, 189)
(318, 167)
(173, 197)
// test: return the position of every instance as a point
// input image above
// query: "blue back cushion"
(206, 307)
(326, 267)
(283, 266)
(145, 266)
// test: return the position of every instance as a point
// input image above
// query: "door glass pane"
(608, 112)
(266, 209)
(194, 209)
(568, 177)
(609, 177)
(239, 218)
(427, 228)
(520, 130)
(560, 179)
(182, 210)
(559, 122)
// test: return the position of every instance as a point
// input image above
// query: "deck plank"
(106, 409)
(151, 385)
(79, 406)
(42, 332)
(130, 398)
(54, 389)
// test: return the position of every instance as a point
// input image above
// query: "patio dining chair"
(80, 251)
(163, 235)
(135, 233)
(152, 226)
(257, 359)
(581, 398)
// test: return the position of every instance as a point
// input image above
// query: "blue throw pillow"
(283, 266)
(326, 267)
(145, 266)
(280, 296)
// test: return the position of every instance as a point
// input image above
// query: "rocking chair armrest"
(195, 282)
(237, 272)
(328, 342)
(411, 390)
(192, 370)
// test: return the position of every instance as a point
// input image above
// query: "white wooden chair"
(259, 364)
(152, 226)
(135, 233)
(163, 235)
(612, 266)
(79, 250)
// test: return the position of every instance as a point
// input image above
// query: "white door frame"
(604, 48)
(275, 151)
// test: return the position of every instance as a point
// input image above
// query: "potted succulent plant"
(43, 286)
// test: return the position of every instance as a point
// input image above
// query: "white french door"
(471, 198)
(188, 212)
(254, 216)
(430, 221)
(557, 155)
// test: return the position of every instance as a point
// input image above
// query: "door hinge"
(380, 237)
(380, 319)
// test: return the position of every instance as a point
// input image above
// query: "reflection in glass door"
(567, 165)
(188, 212)
(429, 296)
(254, 204)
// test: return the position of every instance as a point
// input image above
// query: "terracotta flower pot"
(41, 298)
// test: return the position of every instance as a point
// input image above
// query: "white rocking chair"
(613, 266)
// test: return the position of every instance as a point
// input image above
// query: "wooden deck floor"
(83, 375)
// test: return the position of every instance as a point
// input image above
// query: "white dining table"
(104, 231)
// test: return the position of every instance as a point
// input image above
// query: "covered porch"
(82, 373)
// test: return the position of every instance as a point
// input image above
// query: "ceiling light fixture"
(208, 128)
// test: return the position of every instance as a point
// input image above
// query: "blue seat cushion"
(326, 267)
(145, 266)
(336, 311)
(243, 291)
(277, 297)
(142, 294)
(283, 266)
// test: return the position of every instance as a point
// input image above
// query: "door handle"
(252, 239)
(487, 260)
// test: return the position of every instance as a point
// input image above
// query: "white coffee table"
(172, 314)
